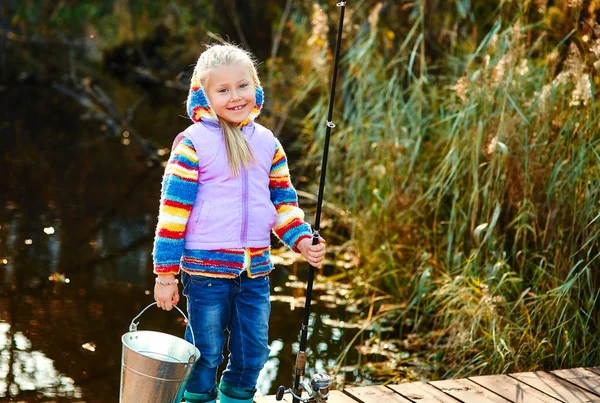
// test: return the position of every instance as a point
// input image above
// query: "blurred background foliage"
(462, 196)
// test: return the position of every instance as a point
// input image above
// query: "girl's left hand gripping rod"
(318, 388)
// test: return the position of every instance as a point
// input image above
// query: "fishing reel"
(317, 389)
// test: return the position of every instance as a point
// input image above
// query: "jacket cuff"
(301, 237)
(166, 269)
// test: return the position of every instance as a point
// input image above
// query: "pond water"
(78, 207)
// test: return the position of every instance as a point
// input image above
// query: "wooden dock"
(565, 385)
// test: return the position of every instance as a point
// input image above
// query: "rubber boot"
(230, 394)
(210, 397)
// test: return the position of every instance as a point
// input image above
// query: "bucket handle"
(133, 326)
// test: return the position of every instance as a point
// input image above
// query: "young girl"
(226, 186)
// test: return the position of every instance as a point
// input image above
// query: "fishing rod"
(318, 388)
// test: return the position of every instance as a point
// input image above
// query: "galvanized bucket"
(155, 366)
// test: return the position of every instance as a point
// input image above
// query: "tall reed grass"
(474, 196)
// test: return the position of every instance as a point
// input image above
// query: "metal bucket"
(155, 366)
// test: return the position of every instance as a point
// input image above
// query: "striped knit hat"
(198, 105)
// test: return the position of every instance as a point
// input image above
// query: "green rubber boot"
(210, 397)
(230, 394)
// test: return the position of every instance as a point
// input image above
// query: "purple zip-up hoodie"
(231, 212)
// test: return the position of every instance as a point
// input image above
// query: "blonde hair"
(238, 149)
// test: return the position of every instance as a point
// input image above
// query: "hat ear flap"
(259, 96)
(198, 105)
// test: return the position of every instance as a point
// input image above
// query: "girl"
(226, 186)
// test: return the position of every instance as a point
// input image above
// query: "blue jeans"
(240, 306)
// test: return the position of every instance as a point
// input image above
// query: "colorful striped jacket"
(181, 185)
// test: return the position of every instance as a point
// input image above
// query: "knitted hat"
(198, 105)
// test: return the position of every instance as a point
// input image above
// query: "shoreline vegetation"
(463, 171)
(470, 183)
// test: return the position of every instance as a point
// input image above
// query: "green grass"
(473, 198)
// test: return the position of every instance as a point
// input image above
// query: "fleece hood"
(198, 105)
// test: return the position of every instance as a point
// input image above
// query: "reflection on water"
(22, 369)
(77, 214)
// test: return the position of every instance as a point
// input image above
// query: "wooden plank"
(594, 369)
(513, 390)
(555, 387)
(335, 396)
(467, 391)
(581, 377)
(565, 385)
(422, 392)
(375, 394)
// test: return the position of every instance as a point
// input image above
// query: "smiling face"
(230, 90)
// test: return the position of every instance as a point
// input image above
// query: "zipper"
(244, 233)
(247, 260)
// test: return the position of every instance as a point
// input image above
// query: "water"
(78, 206)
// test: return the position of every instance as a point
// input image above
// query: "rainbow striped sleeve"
(179, 188)
(290, 226)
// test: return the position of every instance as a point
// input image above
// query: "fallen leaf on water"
(59, 278)
(90, 346)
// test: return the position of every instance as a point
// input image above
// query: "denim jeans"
(240, 306)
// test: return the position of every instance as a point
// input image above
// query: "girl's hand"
(314, 254)
(166, 296)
